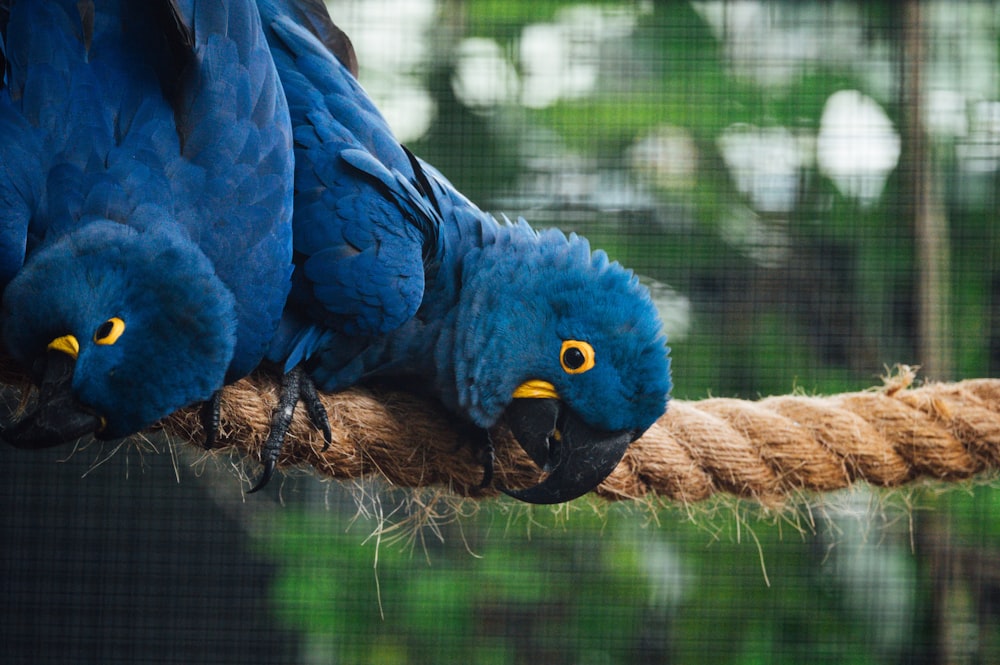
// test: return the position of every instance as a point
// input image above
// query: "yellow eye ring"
(108, 332)
(576, 357)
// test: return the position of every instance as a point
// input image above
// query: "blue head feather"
(177, 343)
(526, 294)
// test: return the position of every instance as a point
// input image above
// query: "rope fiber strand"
(764, 450)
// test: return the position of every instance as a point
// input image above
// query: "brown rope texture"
(764, 450)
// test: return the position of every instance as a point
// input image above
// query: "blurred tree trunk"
(924, 204)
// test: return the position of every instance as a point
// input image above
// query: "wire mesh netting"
(809, 191)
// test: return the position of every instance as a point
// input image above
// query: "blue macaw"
(145, 207)
(399, 275)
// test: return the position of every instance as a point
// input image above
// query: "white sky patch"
(387, 34)
(979, 152)
(946, 113)
(407, 107)
(857, 146)
(561, 59)
(552, 68)
(673, 307)
(390, 38)
(483, 77)
(667, 156)
(764, 242)
(765, 163)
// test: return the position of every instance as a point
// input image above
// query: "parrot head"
(567, 347)
(119, 327)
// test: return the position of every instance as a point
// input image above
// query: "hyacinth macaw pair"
(150, 253)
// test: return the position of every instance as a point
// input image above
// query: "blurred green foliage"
(611, 586)
(854, 578)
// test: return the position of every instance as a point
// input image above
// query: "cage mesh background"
(808, 188)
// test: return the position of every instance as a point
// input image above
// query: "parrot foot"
(480, 441)
(295, 386)
(487, 457)
(485, 453)
(210, 418)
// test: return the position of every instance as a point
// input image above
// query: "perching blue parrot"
(398, 275)
(145, 206)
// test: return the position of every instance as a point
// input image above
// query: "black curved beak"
(576, 456)
(57, 417)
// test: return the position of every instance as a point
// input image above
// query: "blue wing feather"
(21, 181)
(244, 152)
(361, 226)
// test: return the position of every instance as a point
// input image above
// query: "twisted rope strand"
(763, 450)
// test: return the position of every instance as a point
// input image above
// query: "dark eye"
(108, 332)
(576, 357)
(573, 358)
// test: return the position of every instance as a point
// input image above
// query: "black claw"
(295, 386)
(281, 420)
(210, 418)
(265, 476)
(481, 443)
(487, 459)
(317, 413)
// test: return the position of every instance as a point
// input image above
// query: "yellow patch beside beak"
(537, 389)
(67, 344)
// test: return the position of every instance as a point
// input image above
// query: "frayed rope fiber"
(764, 450)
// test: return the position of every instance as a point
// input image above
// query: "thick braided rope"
(763, 450)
